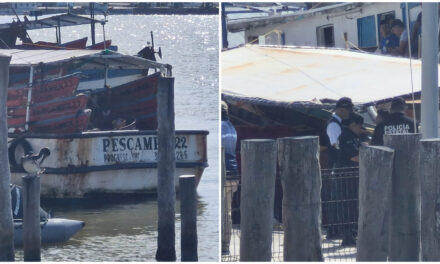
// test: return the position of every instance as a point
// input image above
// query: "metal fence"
(339, 195)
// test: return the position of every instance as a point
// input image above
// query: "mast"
(430, 104)
(92, 23)
(224, 29)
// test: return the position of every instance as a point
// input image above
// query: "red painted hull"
(66, 124)
(137, 99)
(100, 45)
(48, 110)
(76, 44)
(43, 92)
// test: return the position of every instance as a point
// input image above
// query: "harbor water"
(125, 228)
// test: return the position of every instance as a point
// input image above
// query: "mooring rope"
(410, 67)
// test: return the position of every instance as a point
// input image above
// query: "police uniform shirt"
(396, 123)
(349, 145)
(334, 130)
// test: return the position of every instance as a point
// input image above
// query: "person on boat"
(229, 144)
(344, 107)
(17, 204)
(395, 123)
(389, 40)
(398, 28)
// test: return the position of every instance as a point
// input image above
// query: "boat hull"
(118, 162)
(55, 230)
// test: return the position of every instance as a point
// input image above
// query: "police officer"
(350, 142)
(395, 123)
(344, 107)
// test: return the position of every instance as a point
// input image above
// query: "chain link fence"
(339, 195)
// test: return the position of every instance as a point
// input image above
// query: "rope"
(410, 67)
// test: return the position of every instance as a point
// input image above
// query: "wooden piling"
(298, 162)
(166, 164)
(258, 169)
(225, 220)
(188, 215)
(31, 218)
(375, 172)
(404, 241)
(430, 196)
(6, 220)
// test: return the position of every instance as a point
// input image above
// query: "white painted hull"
(117, 162)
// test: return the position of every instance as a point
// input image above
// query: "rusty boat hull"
(106, 162)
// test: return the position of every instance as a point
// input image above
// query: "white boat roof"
(92, 58)
(299, 74)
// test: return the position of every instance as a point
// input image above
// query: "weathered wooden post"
(258, 170)
(166, 164)
(6, 221)
(225, 222)
(31, 218)
(430, 205)
(404, 242)
(375, 172)
(298, 162)
(188, 215)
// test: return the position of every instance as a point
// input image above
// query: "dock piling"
(375, 171)
(298, 162)
(166, 166)
(188, 214)
(31, 218)
(404, 242)
(430, 197)
(6, 220)
(258, 166)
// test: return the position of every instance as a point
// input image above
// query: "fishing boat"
(102, 138)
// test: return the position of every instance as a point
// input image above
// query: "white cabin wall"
(302, 32)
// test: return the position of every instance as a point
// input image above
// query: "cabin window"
(275, 38)
(325, 36)
(253, 40)
(367, 32)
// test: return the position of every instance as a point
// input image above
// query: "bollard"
(375, 173)
(6, 220)
(404, 241)
(298, 162)
(31, 218)
(188, 214)
(258, 169)
(430, 195)
(166, 165)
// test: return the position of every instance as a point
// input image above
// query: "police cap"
(398, 103)
(355, 118)
(344, 102)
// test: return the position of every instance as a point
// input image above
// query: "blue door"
(366, 32)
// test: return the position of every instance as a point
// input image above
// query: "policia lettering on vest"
(395, 123)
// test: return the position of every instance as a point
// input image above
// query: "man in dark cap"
(395, 123)
(350, 142)
(344, 107)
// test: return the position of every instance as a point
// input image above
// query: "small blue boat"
(53, 230)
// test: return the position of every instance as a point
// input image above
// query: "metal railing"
(339, 195)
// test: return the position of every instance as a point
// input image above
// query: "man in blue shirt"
(389, 40)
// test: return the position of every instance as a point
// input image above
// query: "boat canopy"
(301, 76)
(87, 59)
(62, 20)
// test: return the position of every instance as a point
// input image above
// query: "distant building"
(327, 26)
(23, 7)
